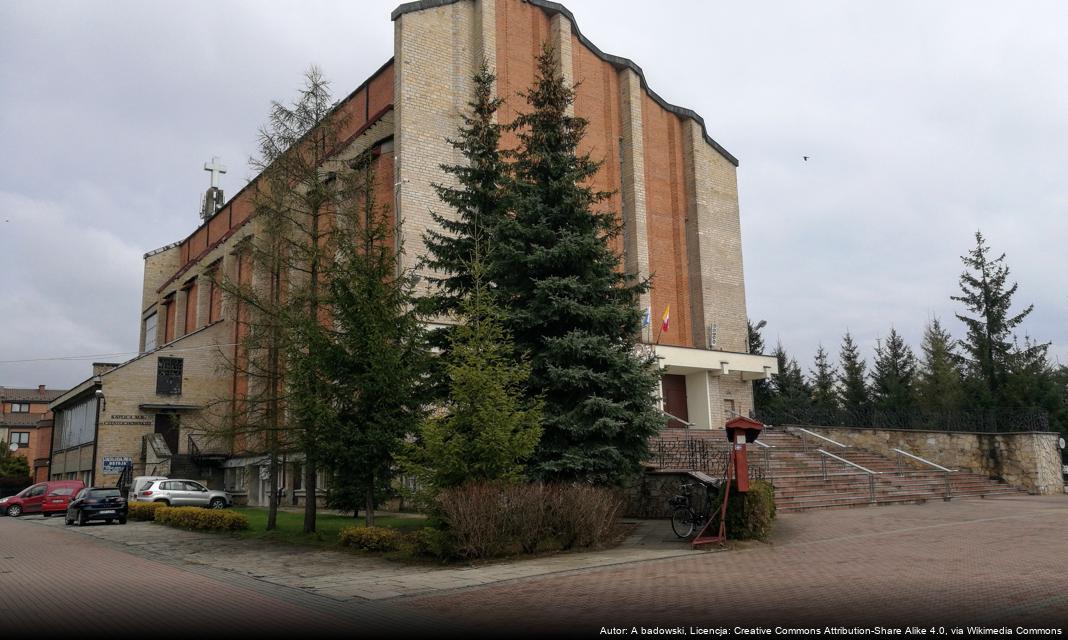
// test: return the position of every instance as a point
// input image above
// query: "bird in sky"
(805, 158)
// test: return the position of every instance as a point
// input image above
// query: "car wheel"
(165, 503)
(217, 503)
(67, 520)
(14, 510)
(82, 519)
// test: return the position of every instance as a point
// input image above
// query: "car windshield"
(104, 493)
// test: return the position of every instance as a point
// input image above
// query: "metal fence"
(704, 455)
(974, 421)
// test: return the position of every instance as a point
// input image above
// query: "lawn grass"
(327, 525)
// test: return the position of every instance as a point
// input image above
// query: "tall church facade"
(674, 188)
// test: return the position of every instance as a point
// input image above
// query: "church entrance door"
(673, 388)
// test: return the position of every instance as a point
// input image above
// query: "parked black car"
(97, 503)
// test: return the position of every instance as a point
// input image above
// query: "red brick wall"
(665, 201)
(368, 101)
(597, 100)
(521, 30)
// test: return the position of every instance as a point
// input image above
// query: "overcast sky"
(923, 122)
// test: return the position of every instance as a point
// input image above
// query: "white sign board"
(116, 464)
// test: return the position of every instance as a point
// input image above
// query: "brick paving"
(343, 576)
(53, 581)
(987, 562)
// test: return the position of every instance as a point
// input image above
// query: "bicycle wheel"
(682, 522)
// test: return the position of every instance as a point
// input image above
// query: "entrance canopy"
(682, 360)
(702, 389)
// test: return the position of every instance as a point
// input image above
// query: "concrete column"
(560, 39)
(434, 59)
(632, 172)
(203, 299)
(714, 244)
(485, 33)
(698, 400)
(181, 301)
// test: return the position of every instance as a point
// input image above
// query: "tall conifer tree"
(987, 296)
(761, 388)
(377, 352)
(824, 388)
(479, 199)
(893, 377)
(853, 389)
(938, 380)
(568, 303)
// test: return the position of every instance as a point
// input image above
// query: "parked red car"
(46, 498)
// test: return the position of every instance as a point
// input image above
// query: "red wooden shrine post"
(740, 431)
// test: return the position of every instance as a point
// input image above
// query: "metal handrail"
(685, 422)
(805, 440)
(767, 457)
(852, 464)
(926, 462)
(871, 474)
(948, 484)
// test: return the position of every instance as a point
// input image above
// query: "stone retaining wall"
(1028, 460)
(648, 496)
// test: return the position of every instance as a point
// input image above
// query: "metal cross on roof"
(215, 168)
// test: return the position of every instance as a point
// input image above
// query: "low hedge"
(485, 519)
(370, 538)
(749, 515)
(198, 519)
(429, 541)
(144, 510)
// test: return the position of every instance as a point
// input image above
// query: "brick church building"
(674, 187)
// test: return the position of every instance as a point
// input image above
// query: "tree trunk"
(369, 503)
(272, 501)
(310, 490)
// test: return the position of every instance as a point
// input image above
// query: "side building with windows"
(674, 190)
(26, 423)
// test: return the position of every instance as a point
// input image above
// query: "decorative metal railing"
(704, 455)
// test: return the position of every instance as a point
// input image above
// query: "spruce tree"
(377, 353)
(893, 379)
(987, 296)
(853, 385)
(825, 406)
(790, 393)
(567, 302)
(1033, 384)
(478, 199)
(938, 380)
(761, 388)
(485, 430)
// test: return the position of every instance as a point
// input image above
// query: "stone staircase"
(806, 479)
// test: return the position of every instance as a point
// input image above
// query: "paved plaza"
(995, 562)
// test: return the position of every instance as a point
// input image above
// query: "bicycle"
(685, 519)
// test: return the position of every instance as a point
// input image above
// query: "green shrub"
(144, 510)
(196, 518)
(429, 541)
(749, 515)
(370, 538)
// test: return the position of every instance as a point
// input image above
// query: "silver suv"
(183, 493)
